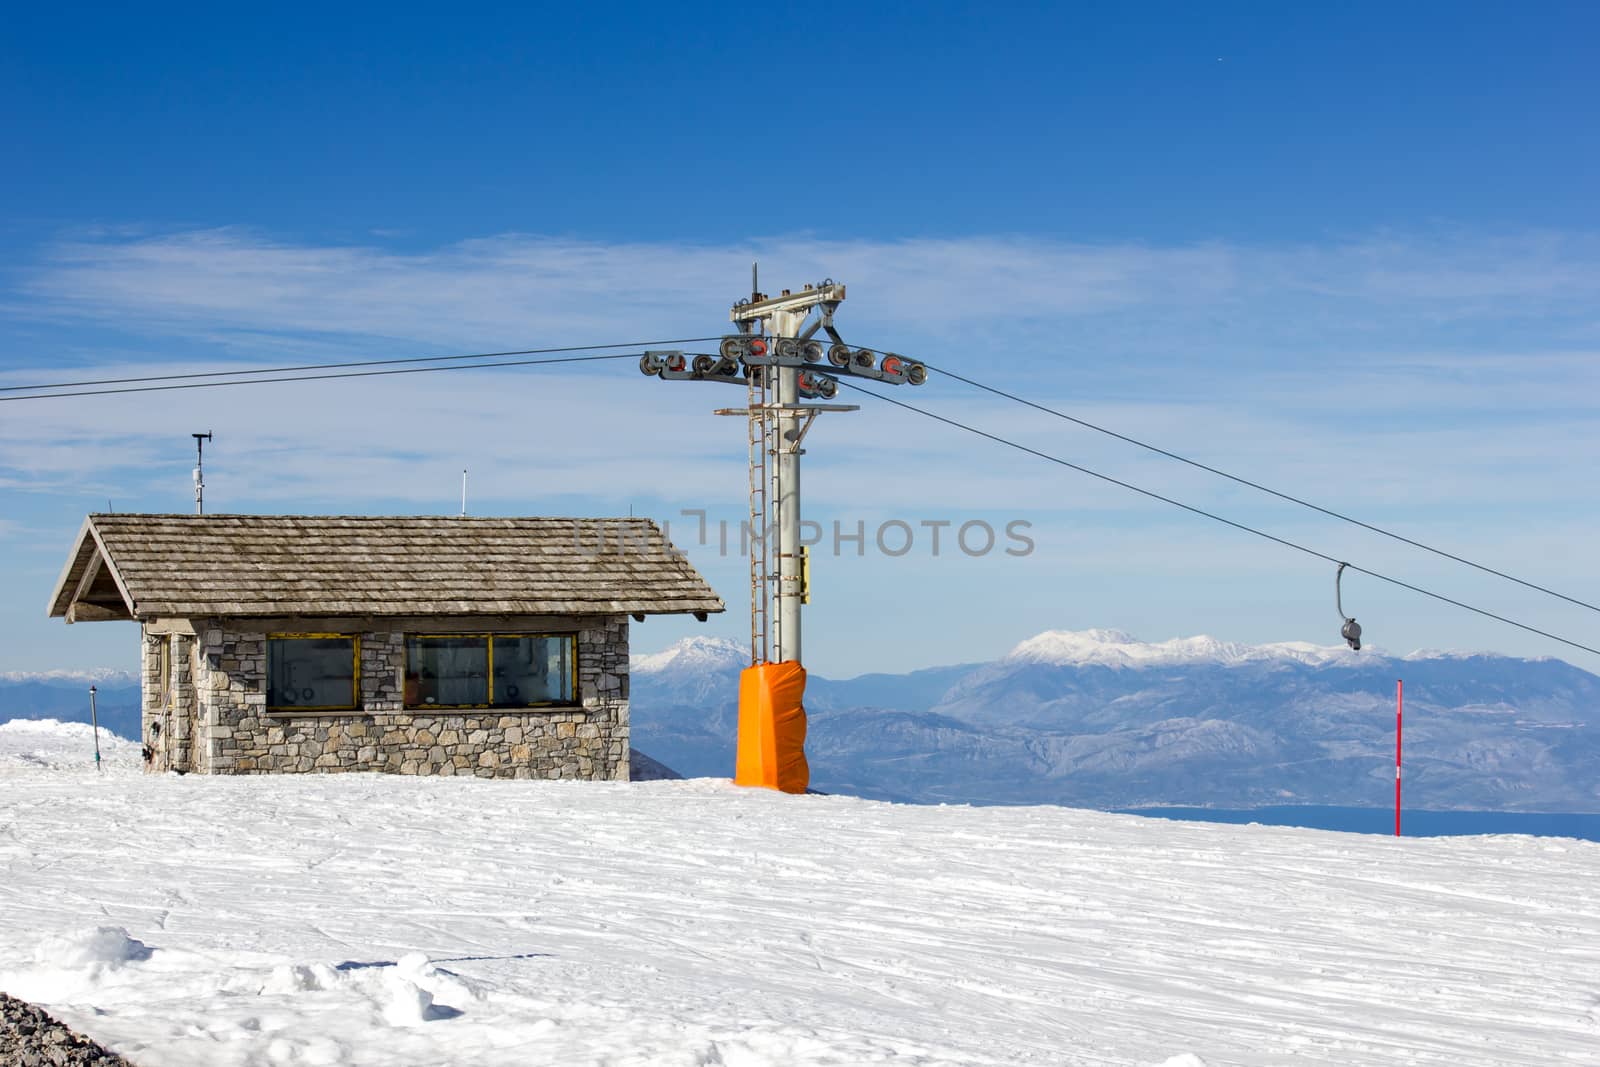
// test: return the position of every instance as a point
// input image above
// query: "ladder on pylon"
(760, 440)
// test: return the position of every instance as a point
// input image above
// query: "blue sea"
(1381, 820)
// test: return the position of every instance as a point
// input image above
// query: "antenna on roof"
(463, 493)
(200, 440)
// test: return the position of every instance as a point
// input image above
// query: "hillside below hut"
(495, 647)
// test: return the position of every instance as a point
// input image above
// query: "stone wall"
(238, 735)
(152, 712)
(168, 713)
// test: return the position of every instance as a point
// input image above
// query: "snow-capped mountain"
(108, 676)
(1100, 718)
(694, 654)
(1113, 648)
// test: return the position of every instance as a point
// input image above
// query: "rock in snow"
(31, 1038)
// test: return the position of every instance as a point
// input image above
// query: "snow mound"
(53, 745)
(104, 948)
(75, 965)
(405, 1002)
(292, 978)
(405, 992)
(1114, 648)
(694, 654)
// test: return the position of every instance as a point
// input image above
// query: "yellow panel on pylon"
(772, 728)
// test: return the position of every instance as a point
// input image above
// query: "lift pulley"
(739, 354)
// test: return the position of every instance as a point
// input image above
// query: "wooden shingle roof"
(189, 566)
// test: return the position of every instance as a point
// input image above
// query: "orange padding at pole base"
(772, 728)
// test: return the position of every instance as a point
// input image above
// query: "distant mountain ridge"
(97, 676)
(1099, 718)
(64, 695)
(1113, 648)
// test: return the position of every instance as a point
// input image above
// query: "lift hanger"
(1351, 630)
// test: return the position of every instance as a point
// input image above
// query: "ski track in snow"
(368, 919)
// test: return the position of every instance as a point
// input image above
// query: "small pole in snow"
(94, 719)
(1399, 715)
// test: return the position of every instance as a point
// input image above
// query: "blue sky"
(1349, 252)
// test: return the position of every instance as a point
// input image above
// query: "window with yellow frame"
(313, 672)
(490, 670)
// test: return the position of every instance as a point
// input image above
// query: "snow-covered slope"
(376, 920)
(1102, 719)
(49, 745)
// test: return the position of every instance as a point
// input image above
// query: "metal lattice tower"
(775, 358)
(760, 544)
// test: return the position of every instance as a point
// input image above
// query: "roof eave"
(162, 609)
(61, 595)
(66, 589)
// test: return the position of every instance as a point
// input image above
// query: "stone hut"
(412, 645)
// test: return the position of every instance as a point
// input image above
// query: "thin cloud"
(1429, 383)
(510, 288)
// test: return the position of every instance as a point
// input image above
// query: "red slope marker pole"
(1399, 717)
